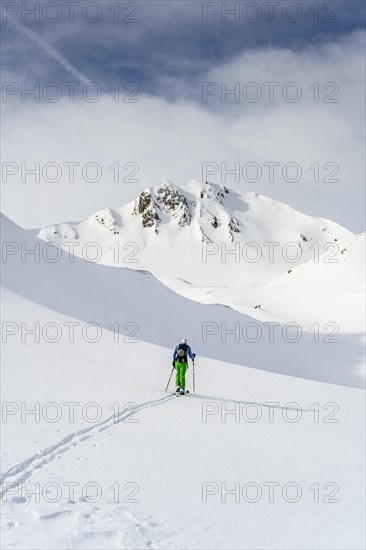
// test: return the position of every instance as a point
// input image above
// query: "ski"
(178, 394)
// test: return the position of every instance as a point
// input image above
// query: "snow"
(164, 452)
(134, 302)
(170, 452)
(319, 291)
(273, 246)
(259, 220)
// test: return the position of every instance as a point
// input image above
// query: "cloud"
(170, 39)
(171, 139)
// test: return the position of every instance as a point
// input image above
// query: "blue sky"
(170, 132)
(169, 38)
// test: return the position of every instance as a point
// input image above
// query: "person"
(180, 363)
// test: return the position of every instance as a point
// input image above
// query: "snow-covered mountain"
(203, 233)
(242, 365)
(298, 424)
(125, 300)
(210, 244)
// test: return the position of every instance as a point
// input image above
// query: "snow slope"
(133, 302)
(161, 453)
(180, 448)
(337, 290)
(318, 291)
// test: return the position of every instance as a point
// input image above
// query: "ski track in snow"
(23, 471)
(81, 525)
(86, 527)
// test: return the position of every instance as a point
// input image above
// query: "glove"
(193, 355)
(173, 363)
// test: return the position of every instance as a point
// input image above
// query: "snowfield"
(269, 451)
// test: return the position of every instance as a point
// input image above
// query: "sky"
(266, 98)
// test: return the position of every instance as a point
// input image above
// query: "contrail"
(52, 52)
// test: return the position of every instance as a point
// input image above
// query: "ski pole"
(170, 377)
(194, 386)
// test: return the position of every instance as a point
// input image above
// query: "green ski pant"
(180, 374)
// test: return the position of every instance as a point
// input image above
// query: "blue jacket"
(189, 352)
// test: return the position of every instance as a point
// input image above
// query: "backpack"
(182, 352)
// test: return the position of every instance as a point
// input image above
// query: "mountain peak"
(156, 204)
(193, 202)
(179, 221)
